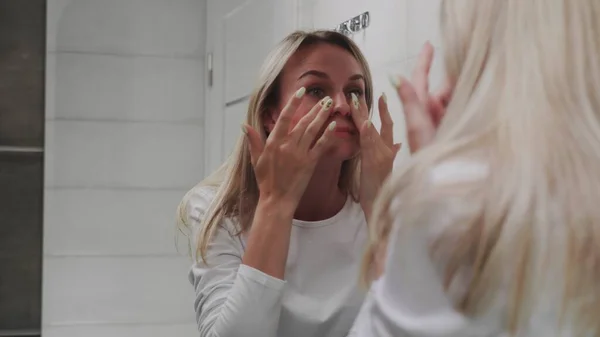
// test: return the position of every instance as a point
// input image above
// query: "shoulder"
(197, 201)
(443, 206)
(196, 205)
(455, 190)
(194, 209)
(427, 224)
(458, 171)
(431, 191)
(437, 220)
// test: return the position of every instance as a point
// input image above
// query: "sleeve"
(409, 299)
(231, 299)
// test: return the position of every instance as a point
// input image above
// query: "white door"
(239, 36)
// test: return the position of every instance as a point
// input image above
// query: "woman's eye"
(357, 92)
(317, 92)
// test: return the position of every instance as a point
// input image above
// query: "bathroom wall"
(124, 125)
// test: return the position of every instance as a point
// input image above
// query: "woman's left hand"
(377, 150)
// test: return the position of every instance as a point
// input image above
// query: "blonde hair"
(237, 191)
(527, 104)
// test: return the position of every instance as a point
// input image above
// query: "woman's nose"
(341, 105)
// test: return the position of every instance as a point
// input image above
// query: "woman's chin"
(343, 151)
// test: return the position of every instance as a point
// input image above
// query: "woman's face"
(325, 70)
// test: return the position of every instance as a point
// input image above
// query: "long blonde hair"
(527, 104)
(237, 190)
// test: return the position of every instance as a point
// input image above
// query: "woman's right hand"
(284, 164)
(423, 111)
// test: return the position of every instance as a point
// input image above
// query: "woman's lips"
(344, 131)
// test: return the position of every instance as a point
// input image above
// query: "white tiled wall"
(391, 43)
(125, 96)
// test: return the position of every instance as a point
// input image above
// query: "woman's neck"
(322, 198)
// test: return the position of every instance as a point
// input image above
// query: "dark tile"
(22, 66)
(20, 291)
(21, 197)
(21, 214)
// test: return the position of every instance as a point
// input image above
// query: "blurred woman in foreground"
(493, 229)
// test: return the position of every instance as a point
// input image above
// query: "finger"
(420, 75)
(396, 148)
(419, 126)
(299, 130)
(358, 117)
(367, 137)
(439, 101)
(445, 92)
(282, 126)
(436, 110)
(309, 136)
(323, 143)
(255, 143)
(387, 124)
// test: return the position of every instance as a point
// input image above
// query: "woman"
(279, 230)
(494, 227)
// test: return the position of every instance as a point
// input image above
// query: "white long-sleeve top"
(408, 300)
(320, 295)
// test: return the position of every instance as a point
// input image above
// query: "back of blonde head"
(527, 104)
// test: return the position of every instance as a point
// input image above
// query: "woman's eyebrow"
(314, 73)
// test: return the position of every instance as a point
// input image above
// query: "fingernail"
(396, 80)
(369, 123)
(244, 130)
(354, 100)
(300, 92)
(332, 126)
(393, 81)
(324, 100)
(384, 97)
(328, 104)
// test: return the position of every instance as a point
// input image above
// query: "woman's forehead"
(326, 58)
